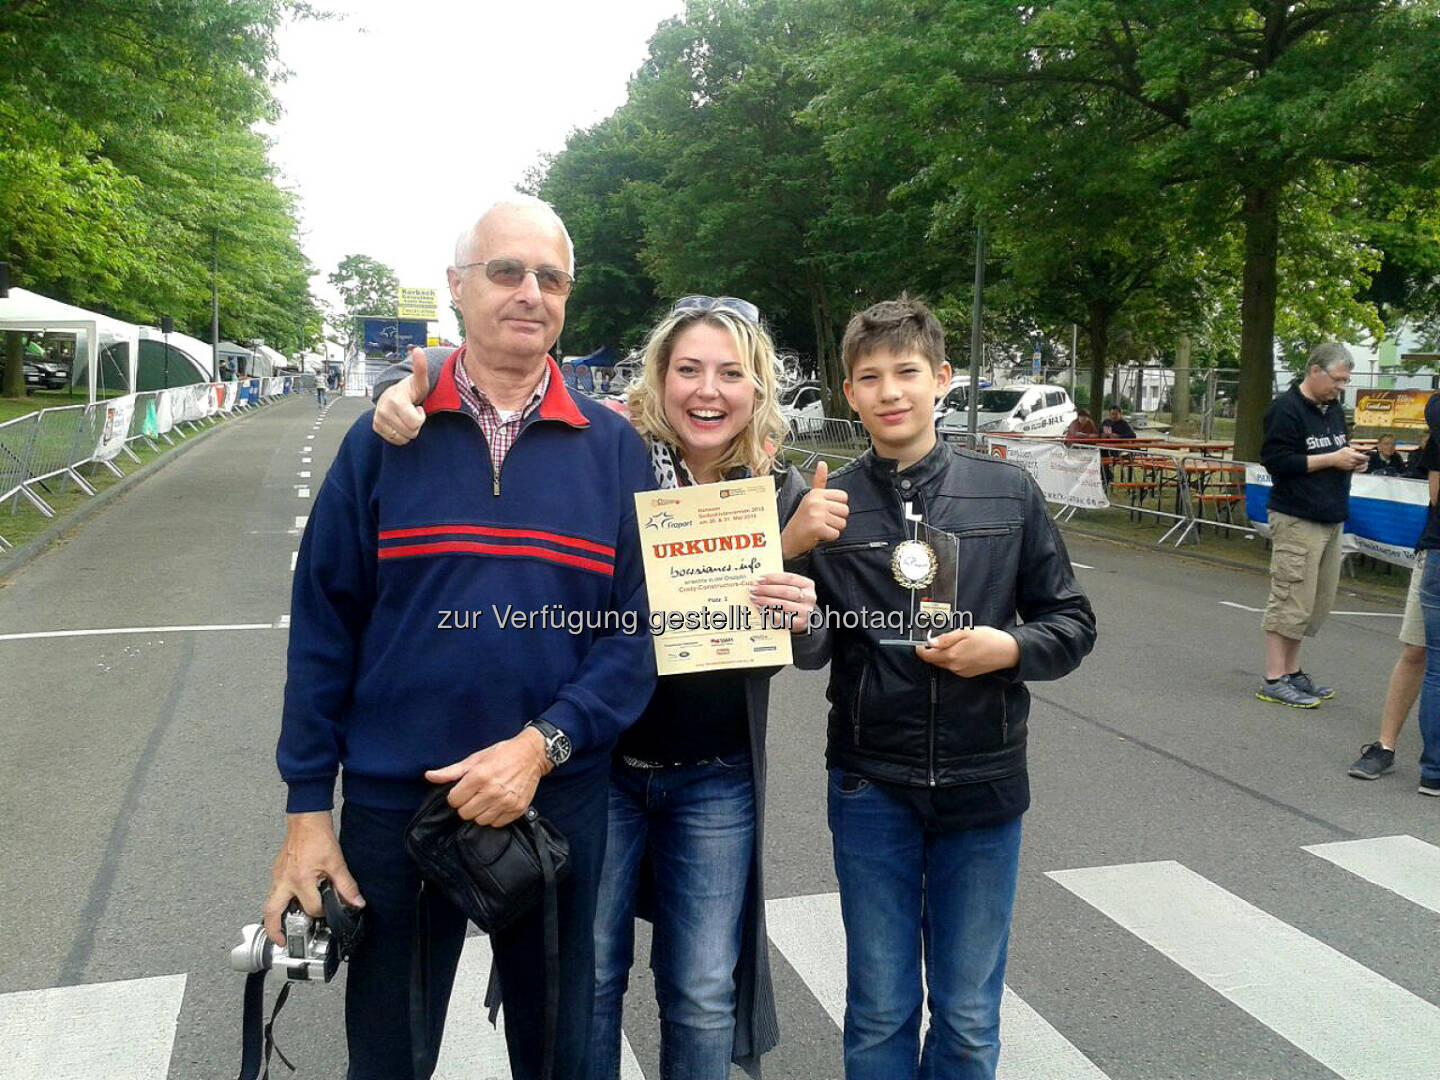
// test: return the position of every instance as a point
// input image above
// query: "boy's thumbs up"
(820, 516)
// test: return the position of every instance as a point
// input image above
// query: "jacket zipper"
(934, 691)
(859, 698)
(1004, 717)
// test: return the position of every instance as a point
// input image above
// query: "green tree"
(366, 287)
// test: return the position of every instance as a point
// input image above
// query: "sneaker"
(1430, 787)
(1284, 692)
(1307, 685)
(1374, 760)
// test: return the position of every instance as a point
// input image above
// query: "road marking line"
(1081, 565)
(304, 474)
(282, 622)
(302, 492)
(132, 630)
(1406, 866)
(300, 520)
(1331, 1007)
(304, 461)
(293, 556)
(810, 934)
(471, 1048)
(1373, 614)
(118, 1030)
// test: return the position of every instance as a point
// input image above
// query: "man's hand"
(1349, 459)
(971, 652)
(398, 415)
(495, 785)
(820, 516)
(310, 852)
(787, 600)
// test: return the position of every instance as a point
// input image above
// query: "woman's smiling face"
(709, 396)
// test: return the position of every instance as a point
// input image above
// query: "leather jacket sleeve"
(1059, 623)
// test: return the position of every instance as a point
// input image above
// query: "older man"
(516, 497)
(1306, 453)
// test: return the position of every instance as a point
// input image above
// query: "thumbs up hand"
(398, 416)
(820, 516)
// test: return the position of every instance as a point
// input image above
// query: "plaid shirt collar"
(500, 434)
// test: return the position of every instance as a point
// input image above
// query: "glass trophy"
(927, 564)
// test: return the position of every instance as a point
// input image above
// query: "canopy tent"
(175, 359)
(234, 359)
(268, 361)
(26, 311)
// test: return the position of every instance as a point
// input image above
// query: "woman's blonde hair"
(758, 444)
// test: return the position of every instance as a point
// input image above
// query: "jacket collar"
(886, 470)
(557, 404)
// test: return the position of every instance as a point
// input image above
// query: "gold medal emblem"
(913, 564)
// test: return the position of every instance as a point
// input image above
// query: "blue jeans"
(904, 888)
(1430, 688)
(695, 827)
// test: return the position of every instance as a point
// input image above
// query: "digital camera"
(314, 947)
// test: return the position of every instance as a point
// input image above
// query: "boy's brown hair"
(900, 326)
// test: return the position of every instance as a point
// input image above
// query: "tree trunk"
(1097, 332)
(831, 373)
(1180, 393)
(1257, 318)
(14, 383)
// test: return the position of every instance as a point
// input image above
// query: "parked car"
(52, 376)
(805, 411)
(1028, 408)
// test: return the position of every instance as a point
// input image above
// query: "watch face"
(558, 749)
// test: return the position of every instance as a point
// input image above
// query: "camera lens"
(255, 951)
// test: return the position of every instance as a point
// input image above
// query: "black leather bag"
(494, 876)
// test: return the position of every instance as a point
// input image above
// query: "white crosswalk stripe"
(472, 1049)
(809, 933)
(1402, 864)
(1329, 1006)
(1324, 1003)
(118, 1030)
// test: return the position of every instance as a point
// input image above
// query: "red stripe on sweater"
(473, 546)
(495, 530)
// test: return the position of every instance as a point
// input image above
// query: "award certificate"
(703, 547)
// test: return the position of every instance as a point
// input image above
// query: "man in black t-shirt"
(1430, 608)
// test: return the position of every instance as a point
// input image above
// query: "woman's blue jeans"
(695, 824)
(903, 889)
(1430, 688)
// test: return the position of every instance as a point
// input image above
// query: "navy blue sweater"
(401, 659)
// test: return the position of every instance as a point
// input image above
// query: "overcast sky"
(401, 118)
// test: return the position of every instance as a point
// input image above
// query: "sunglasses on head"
(744, 308)
(509, 273)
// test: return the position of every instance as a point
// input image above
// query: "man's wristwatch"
(557, 743)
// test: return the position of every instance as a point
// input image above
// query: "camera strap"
(257, 1041)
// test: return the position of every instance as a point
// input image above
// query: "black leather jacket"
(894, 717)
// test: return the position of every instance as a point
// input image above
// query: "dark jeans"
(1430, 687)
(377, 985)
(906, 892)
(696, 824)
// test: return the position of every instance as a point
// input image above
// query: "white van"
(1029, 408)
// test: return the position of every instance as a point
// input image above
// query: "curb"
(1357, 591)
(13, 561)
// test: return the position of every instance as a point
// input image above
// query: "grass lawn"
(10, 407)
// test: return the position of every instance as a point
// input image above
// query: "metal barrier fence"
(826, 436)
(43, 451)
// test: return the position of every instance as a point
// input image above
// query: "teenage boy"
(926, 744)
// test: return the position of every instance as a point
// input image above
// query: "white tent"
(27, 311)
(264, 354)
(200, 353)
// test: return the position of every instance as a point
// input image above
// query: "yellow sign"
(1391, 408)
(417, 304)
(703, 547)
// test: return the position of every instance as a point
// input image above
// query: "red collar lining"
(557, 404)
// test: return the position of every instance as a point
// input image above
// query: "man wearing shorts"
(1310, 464)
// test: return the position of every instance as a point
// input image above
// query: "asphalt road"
(1170, 923)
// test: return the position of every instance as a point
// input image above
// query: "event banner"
(118, 413)
(1387, 513)
(164, 411)
(703, 547)
(1068, 475)
(1391, 408)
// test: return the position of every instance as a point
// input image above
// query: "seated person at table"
(1081, 428)
(1385, 460)
(1115, 426)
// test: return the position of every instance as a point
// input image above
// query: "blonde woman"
(687, 794)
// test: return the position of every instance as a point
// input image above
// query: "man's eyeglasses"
(744, 308)
(509, 273)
